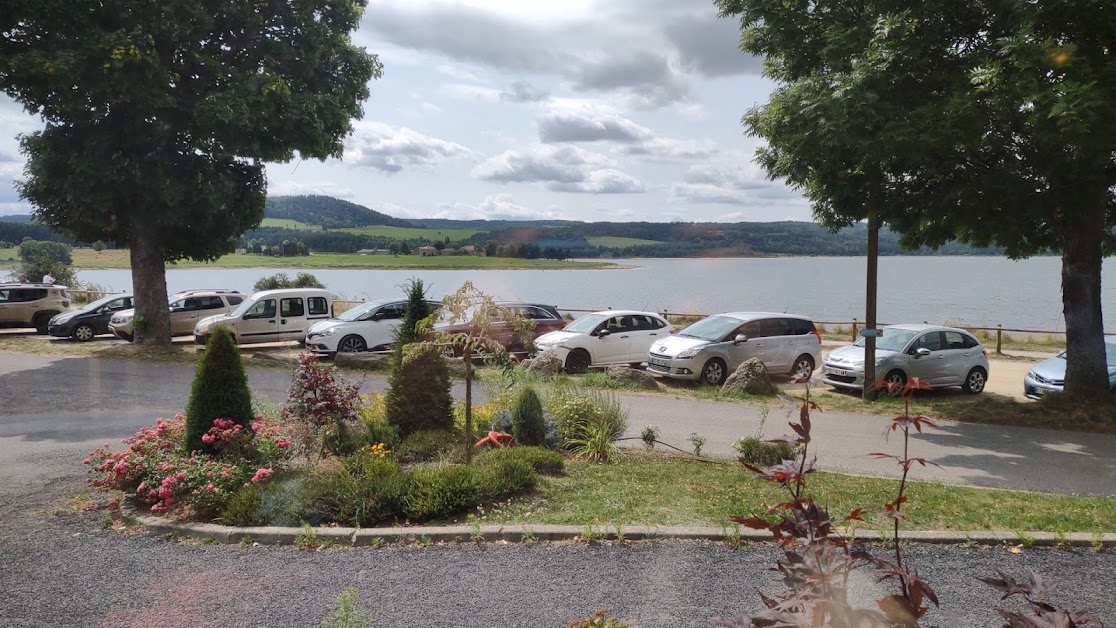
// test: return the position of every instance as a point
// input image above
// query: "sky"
(592, 110)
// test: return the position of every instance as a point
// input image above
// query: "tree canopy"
(159, 117)
(990, 122)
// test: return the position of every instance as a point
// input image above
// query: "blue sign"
(871, 333)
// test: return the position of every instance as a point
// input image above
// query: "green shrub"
(527, 419)
(593, 441)
(440, 491)
(220, 390)
(281, 280)
(760, 453)
(364, 491)
(429, 446)
(382, 432)
(504, 479)
(283, 501)
(579, 410)
(418, 396)
(542, 460)
(418, 308)
(502, 422)
(323, 407)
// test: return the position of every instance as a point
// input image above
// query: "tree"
(219, 391)
(418, 311)
(160, 116)
(99, 246)
(982, 122)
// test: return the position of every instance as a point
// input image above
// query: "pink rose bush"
(156, 468)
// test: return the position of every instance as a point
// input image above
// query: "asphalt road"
(61, 569)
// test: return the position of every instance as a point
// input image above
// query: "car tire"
(83, 333)
(896, 378)
(975, 381)
(578, 361)
(803, 368)
(351, 344)
(42, 323)
(714, 372)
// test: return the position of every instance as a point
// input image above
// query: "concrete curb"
(428, 535)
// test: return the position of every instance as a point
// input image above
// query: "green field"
(619, 243)
(287, 223)
(411, 233)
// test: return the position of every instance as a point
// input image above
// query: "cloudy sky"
(588, 110)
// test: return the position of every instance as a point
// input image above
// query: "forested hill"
(328, 212)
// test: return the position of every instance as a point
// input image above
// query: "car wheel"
(42, 323)
(351, 344)
(83, 333)
(896, 379)
(975, 381)
(713, 373)
(578, 361)
(803, 368)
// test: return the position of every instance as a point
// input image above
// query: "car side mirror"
(378, 316)
(739, 339)
(921, 352)
(602, 333)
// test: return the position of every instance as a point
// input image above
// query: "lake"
(974, 291)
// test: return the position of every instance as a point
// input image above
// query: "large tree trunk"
(1081, 232)
(149, 285)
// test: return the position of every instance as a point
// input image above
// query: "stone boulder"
(545, 364)
(457, 366)
(628, 374)
(274, 358)
(364, 361)
(751, 378)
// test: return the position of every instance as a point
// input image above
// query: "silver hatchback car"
(938, 356)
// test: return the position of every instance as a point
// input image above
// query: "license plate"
(658, 362)
(836, 371)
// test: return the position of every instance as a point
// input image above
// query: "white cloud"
(560, 168)
(390, 149)
(606, 181)
(565, 125)
(494, 207)
(662, 148)
(471, 93)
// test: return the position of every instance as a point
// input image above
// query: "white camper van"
(271, 316)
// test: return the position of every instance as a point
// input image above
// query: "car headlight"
(328, 332)
(687, 354)
(61, 318)
(122, 319)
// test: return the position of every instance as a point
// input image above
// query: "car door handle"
(283, 322)
(272, 321)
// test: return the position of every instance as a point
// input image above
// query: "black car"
(91, 320)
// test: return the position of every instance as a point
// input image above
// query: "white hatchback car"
(939, 356)
(712, 348)
(368, 326)
(607, 337)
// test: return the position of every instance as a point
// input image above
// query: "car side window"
(211, 303)
(318, 306)
(393, 311)
(800, 327)
(931, 341)
(777, 327)
(291, 306)
(751, 329)
(955, 340)
(262, 309)
(235, 300)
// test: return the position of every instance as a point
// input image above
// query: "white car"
(607, 337)
(712, 348)
(938, 356)
(271, 316)
(368, 326)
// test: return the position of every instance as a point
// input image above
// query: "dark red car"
(546, 319)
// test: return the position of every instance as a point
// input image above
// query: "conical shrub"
(220, 390)
(528, 425)
(418, 395)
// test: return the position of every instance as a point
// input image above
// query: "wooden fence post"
(999, 339)
(854, 330)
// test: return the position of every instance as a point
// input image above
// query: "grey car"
(938, 356)
(1050, 374)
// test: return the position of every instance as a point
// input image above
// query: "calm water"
(976, 291)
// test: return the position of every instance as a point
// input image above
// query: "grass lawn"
(118, 259)
(619, 243)
(653, 489)
(288, 223)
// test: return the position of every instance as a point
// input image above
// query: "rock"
(545, 364)
(456, 366)
(364, 361)
(629, 374)
(285, 359)
(751, 378)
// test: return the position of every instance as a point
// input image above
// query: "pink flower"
(208, 439)
(262, 474)
(86, 461)
(282, 443)
(210, 488)
(120, 468)
(181, 476)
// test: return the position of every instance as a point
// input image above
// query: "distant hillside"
(328, 212)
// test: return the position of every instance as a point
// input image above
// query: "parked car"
(91, 320)
(606, 337)
(186, 309)
(712, 348)
(271, 316)
(1050, 374)
(938, 356)
(545, 318)
(366, 327)
(31, 304)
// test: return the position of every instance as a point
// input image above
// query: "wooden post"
(999, 339)
(854, 330)
(468, 355)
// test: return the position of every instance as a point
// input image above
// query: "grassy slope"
(287, 223)
(405, 233)
(618, 243)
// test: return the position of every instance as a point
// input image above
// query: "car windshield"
(242, 308)
(1109, 351)
(891, 340)
(356, 312)
(712, 329)
(585, 324)
(96, 305)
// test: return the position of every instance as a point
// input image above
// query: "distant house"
(449, 251)
(469, 249)
(373, 252)
(426, 251)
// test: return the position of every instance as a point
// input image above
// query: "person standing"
(22, 278)
(48, 278)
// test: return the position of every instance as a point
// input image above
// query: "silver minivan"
(715, 346)
(271, 316)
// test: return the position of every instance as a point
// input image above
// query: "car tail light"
(817, 335)
(984, 351)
